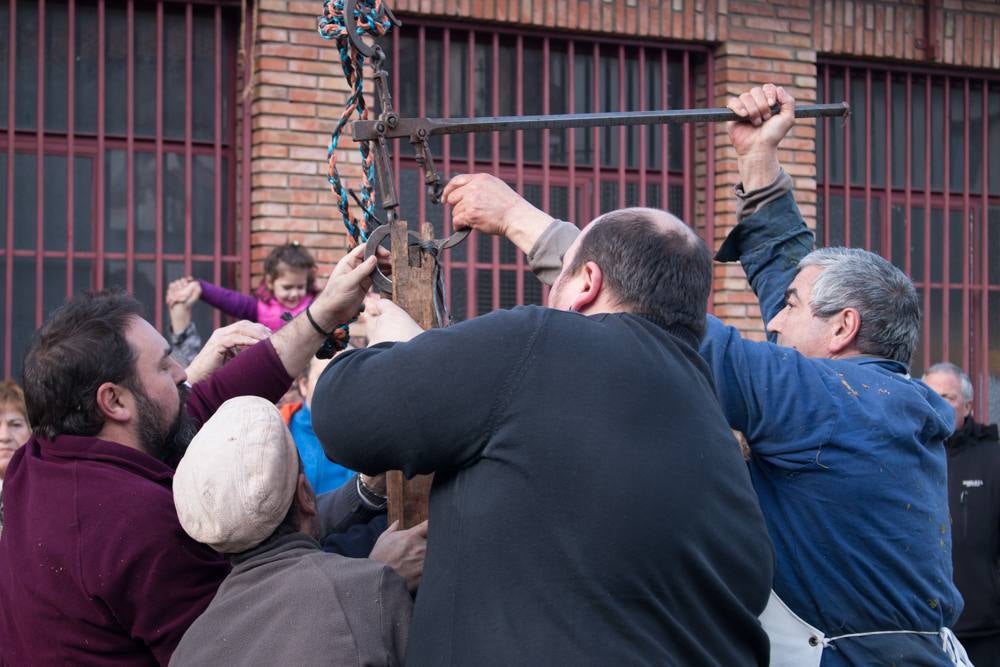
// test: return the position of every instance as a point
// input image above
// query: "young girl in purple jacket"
(288, 286)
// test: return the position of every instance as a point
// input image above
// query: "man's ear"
(846, 325)
(590, 289)
(115, 402)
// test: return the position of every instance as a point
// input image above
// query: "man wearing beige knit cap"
(240, 489)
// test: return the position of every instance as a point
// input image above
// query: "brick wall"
(298, 94)
(299, 89)
(675, 19)
(767, 42)
(963, 32)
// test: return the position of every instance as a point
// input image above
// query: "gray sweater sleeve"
(546, 256)
(748, 203)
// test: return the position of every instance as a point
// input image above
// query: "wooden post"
(413, 291)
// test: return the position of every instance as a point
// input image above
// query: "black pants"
(983, 651)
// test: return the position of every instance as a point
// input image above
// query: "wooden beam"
(413, 291)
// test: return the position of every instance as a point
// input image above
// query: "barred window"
(117, 158)
(439, 71)
(910, 176)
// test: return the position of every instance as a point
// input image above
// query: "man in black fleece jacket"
(974, 499)
(590, 505)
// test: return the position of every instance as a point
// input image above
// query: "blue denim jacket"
(848, 462)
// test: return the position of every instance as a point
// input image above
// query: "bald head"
(664, 221)
(652, 262)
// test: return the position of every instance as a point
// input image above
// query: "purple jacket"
(94, 566)
(246, 307)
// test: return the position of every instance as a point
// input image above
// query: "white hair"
(952, 369)
(882, 294)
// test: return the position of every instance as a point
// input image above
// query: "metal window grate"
(911, 176)
(117, 153)
(448, 70)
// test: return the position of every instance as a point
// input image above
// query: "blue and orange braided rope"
(369, 18)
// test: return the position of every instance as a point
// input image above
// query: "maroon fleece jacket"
(94, 566)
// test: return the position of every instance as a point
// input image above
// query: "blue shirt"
(322, 473)
(848, 461)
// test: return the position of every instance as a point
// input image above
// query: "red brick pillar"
(298, 93)
(764, 42)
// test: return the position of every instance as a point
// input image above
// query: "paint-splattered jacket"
(848, 460)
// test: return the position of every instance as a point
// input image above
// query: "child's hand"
(183, 292)
(193, 292)
(181, 295)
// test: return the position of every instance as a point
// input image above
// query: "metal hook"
(375, 238)
(434, 246)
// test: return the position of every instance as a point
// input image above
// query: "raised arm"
(181, 295)
(488, 205)
(338, 303)
(769, 240)
(771, 236)
(183, 336)
(224, 344)
(233, 303)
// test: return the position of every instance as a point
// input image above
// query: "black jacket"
(974, 498)
(590, 505)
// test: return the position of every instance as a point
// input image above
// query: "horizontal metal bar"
(418, 128)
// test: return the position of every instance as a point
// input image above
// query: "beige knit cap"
(238, 477)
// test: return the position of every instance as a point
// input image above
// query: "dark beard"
(169, 443)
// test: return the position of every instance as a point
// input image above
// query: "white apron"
(795, 643)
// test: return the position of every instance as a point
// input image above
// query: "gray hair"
(882, 294)
(952, 369)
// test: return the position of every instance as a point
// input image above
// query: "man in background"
(974, 497)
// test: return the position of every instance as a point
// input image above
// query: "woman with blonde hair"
(14, 427)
